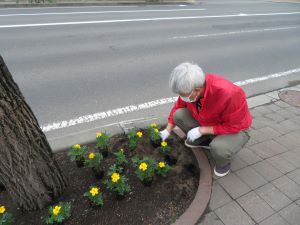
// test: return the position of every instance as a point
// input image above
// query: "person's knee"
(178, 116)
(220, 151)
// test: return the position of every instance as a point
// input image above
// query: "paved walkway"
(264, 185)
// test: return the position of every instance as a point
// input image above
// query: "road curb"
(7, 4)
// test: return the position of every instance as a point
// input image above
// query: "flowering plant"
(153, 132)
(134, 138)
(5, 217)
(164, 148)
(162, 169)
(59, 213)
(94, 161)
(117, 183)
(77, 152)
(145, 168)
(102, 143)
(120, 158)
(95, 196)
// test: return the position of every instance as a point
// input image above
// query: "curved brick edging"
(202, 197)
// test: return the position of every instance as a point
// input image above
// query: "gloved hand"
(194, 134)
(164, 134)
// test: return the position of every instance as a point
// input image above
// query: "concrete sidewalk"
(264, 184)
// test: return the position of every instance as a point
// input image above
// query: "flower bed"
(170, 193)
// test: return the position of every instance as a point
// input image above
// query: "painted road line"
(100, 12)
(233, 32)
(147, 105)
(147, 19)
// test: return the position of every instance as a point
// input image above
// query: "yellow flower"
(115, 177)
(156, 130)
(56, 210)
(2, 209)
(143, 166)
(153, 125)
(121, 150)
(139, 134)
(164, 144)
(91, 155)
(161, 164)
(94, 191)
(77, 146)
(99, 134)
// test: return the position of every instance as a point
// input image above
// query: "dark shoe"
(221, 171)
(196, 144)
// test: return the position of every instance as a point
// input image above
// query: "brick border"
(202, 197)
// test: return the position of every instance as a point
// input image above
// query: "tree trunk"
(27, 168)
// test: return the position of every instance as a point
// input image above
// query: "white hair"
(186, 77)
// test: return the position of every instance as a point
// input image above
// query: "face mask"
(187, 99)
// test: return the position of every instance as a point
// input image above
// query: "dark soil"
(161, 203)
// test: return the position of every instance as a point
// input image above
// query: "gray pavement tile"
(289, 141)
(256, 207)
(248, 156)
(251, 177)
(275, 219)
(265, 169)
(296, 119)
(288, 187)
(275, 198)
(263, 134)
(233, 214)
(291, 214)
(237, 163)
(268, 149)
(275, 117)
(262, 109)
(260, 122)
(273, 107)
(210, 219)
(273, 94)
(282, 104)
(285, 126)
(295, 176)
(286, 113)
(233, 185)
(250, 142)
(298, 202)
(291, 157)
(281, 164)
(218, 197)
(295, 110)
(259, 100)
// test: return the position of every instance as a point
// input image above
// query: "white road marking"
(146, 105)
(99, 12)
(233, 32)
(145, 19)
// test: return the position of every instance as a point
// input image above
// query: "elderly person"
(212, 111)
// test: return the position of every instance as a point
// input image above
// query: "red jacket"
(224, 107)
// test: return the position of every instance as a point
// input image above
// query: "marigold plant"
(162, 169)
(95, 196)
(117, 183)
(102, 140)
(59, 213)
(134, 138)
(94, 161)
(77, 152)
(120, 158)
(153, 132)
(6, 218)
(164, 148)
(145, 168)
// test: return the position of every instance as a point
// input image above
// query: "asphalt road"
(75, 61)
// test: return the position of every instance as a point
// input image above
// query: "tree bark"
(27, 168)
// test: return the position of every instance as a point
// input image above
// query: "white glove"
(164, 134)
(194, 134)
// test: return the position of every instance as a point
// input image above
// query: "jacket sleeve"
(177, 105)
(233, 115)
